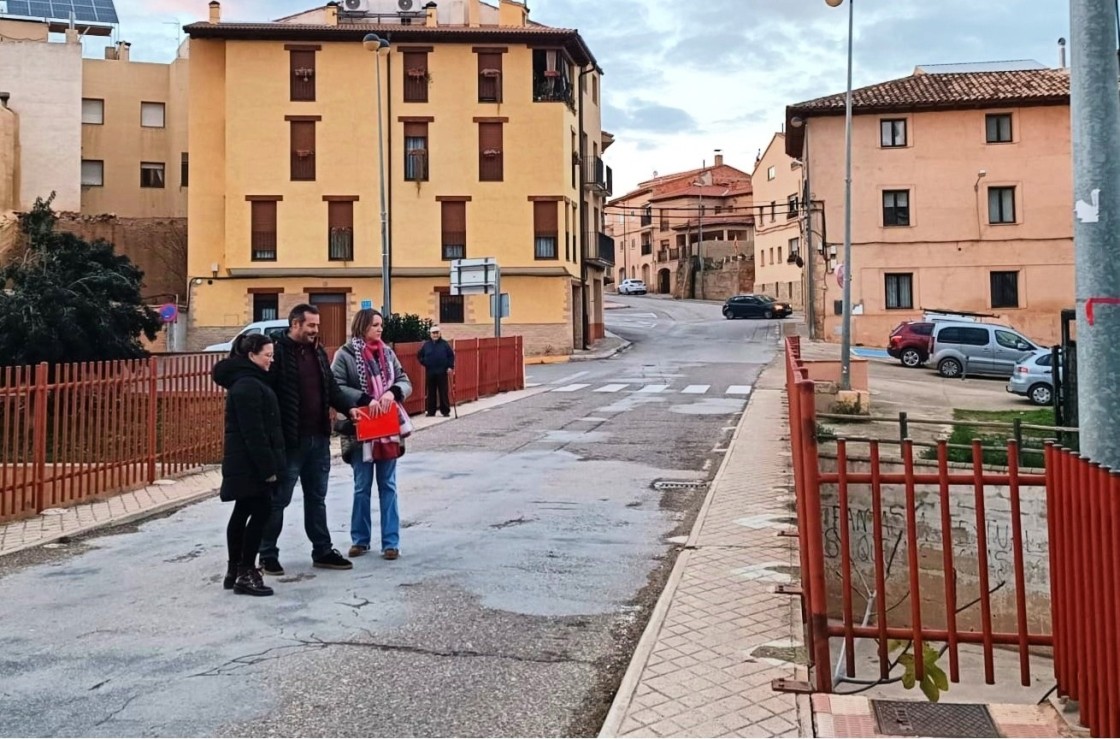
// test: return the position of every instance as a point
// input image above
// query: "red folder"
(372, 426)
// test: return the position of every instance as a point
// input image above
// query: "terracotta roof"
(723, 219)
(951, 91)
(533, 34)
(708, 191)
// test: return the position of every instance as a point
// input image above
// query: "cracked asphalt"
(535, 542)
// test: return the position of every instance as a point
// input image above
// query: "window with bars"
(491, 167)
(545, 229)
(152, 174)
(1001, 205)
(1005, 289)
(998, 127)
(489, 77)
(340, 231)
(452, 308)
(453, 230)
(266, 306)
(416, 77)
(896, 207)
(892, 133)
(301, 64)
(416, 151)
(899, 291)
(303, 150)
(263, 230)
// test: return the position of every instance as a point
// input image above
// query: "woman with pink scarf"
(369, 374)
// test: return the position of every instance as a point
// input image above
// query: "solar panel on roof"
(85, 11)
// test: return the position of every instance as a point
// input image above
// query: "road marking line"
(531, 385)
(570, 388)
(654, 389)
(739, 390)
(696, 389)
(571, 378)
(610, 388)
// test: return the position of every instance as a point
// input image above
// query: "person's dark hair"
(299, 313)
(248, 344)
(363, 319)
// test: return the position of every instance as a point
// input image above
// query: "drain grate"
(678, 485)
(902, 718)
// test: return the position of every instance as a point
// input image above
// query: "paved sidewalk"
(165, 495)
(719, 633)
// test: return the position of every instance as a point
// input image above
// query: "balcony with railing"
(603, 248)
(263, 245)
(340, 245)
(599, 176)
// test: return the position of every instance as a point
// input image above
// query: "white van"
(967, 348)
(273, 329)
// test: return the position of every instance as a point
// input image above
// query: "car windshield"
(767, 298)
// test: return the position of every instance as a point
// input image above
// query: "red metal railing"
(80, 431)
(893, 500)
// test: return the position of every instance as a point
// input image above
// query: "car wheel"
(912, 358)
(768, 314)
(1041, 394)
(949, 368)
(728, 314)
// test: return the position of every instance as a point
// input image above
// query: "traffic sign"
(168, 313)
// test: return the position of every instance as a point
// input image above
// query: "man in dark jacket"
(306, 389)
(438, 359)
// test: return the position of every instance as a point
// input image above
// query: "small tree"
(68, 300)
(405, 329)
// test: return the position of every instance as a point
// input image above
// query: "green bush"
(406, 329)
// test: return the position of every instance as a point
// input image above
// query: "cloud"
(648, 117)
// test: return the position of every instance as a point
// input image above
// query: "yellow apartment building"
(492, 146)
(961, 197)
(778, 223)
(107, 136)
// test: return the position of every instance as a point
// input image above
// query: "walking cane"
(454, 402)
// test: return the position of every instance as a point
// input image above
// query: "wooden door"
(332, 317)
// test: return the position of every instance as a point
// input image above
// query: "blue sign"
(367, 304)
(168, 313)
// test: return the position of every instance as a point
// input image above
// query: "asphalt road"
(537, 536)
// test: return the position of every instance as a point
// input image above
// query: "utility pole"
(700, 242)
(1095, 111)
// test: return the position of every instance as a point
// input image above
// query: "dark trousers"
(438, 393)
(246, 524)
(310, 465)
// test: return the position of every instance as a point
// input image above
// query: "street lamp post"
(849, 273)
(376, 44)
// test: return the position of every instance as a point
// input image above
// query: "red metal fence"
(950, 546)
(79, 431)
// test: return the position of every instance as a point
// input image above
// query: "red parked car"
(909, 343)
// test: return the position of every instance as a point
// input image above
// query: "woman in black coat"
(253, 459)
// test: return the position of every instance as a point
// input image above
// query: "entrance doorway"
(663, 281)
(332, 317)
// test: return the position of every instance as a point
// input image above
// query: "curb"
(632, 678)
(604, 355)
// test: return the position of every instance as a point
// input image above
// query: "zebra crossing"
(652, 389)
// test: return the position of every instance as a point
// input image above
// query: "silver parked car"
(1033, 378)
(970, 348)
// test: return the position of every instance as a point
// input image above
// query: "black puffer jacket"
(284, 377)
(254, 445)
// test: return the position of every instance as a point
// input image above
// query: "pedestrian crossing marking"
(610, 388)
(571, 388)
(696, 389)
(654, 389)
(739, 390)
(651, 389)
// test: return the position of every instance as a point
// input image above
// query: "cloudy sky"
(686, 77)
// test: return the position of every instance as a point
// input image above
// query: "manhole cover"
(901, 718)
(677, 485)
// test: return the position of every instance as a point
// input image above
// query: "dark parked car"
(909, 343)
(755, 306)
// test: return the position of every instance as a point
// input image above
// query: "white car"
(273, 329)
(632, 287)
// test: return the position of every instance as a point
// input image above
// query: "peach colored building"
(778, 223)
(657, 226)
(962, 198)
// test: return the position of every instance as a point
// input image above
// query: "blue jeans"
(361, 518)
(311, 466)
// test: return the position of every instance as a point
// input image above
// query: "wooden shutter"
(415, 77)
(453, 227)
(415, 129)
(263, 230)
(489, 77)
(302, 73)
(545, 218)
(490, 154)
(303, 150)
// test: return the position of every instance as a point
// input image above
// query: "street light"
(379, 46)
(846, 324)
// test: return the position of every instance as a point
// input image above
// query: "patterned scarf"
(376, 374)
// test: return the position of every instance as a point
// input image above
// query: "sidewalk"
(719, 634)
(167, 495)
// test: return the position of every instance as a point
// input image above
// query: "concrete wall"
(45, 83)
(930, 543)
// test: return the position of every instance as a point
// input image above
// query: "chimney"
(110, 52)
(1061, 53)
(215, 11)
(123, 50)
(511, 14)
(431, 16)
(474, 13)
(719, 158)
(332, 13)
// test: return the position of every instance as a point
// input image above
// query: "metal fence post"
(1017, 432)
(903, 427)
(814, 535)
(39, 440)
